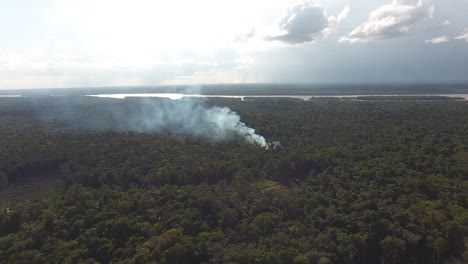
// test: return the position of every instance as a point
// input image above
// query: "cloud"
(306, 22)
(430, 11)
(246, 36)
(343, 14)
(390, 21)
(446, 23)
(47, 66)
(463, 36)
(437, 40)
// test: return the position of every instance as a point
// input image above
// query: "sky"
(93, 43)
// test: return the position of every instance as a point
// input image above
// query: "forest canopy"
(352, 182)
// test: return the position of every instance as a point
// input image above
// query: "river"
(10, 95)
(176, 96)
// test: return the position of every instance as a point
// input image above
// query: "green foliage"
(355, 182)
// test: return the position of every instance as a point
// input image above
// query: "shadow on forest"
(31, 185)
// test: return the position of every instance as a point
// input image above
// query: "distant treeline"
(409, 98)
(260, 89)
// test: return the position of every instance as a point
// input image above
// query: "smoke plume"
(189, 116)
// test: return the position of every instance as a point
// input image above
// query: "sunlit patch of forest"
(353, 182)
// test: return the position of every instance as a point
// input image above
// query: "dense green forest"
(352, 182)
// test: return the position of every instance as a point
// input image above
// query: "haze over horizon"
(63, 43)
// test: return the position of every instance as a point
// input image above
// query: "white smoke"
(184, 116)
(276, 144)
(191, 117)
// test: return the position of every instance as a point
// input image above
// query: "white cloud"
(306, 22)
(437, 40)
(431, 11)
(343, 14)
(463, 36)
(44, 68)
(27, 82)
(446, 23)
(390, 21)
(245, 36)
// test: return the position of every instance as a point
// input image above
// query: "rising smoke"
(189, 116)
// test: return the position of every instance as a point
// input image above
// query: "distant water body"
(10, 95)
(177, 96)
